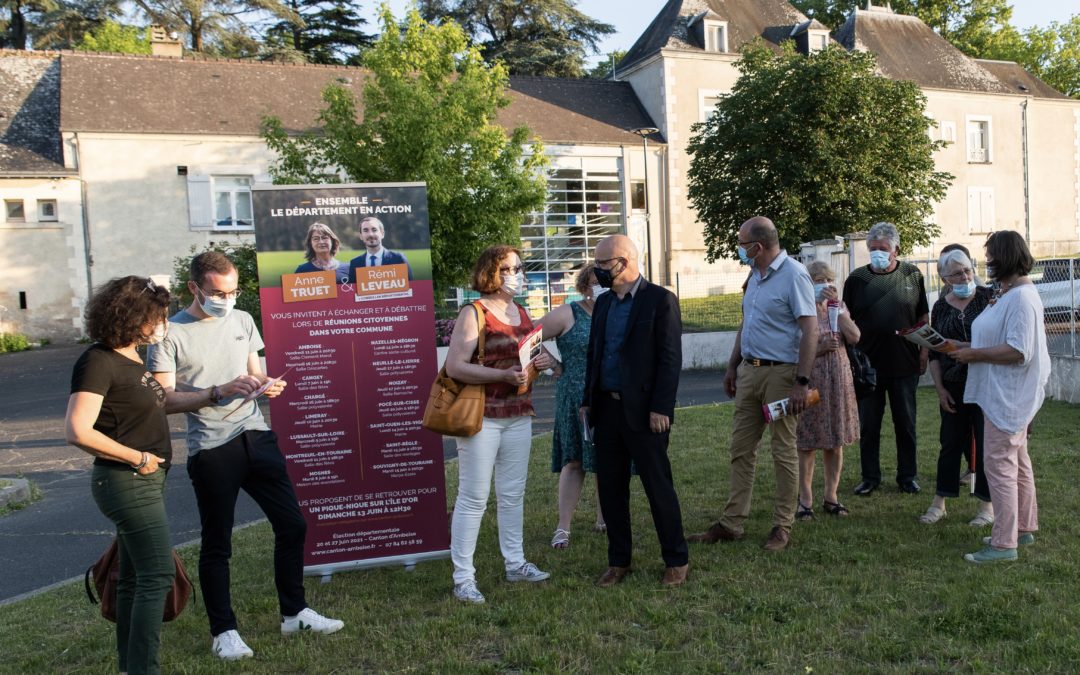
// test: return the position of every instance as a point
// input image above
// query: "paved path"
(61, 535)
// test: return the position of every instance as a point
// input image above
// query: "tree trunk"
(17, 28)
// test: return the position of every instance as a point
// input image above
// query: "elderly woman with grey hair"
(885, 296)
(961, 430)
(835, 423)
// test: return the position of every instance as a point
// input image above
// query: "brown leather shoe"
(675, 576)
(777, 540)
(612, 575)
(716, 532)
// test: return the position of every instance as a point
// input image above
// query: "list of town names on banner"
(359, 357)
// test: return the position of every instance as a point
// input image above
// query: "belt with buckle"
(766, 362)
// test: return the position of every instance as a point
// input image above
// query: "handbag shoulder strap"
(480, 327)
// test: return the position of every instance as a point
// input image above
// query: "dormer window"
(715, 36)
(818, 40)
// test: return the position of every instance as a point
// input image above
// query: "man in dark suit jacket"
(631, 378)
(372, 233)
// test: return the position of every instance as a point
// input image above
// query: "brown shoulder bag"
(105, 573)
(456, 408)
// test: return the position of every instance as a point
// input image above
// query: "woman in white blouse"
(1009, 368)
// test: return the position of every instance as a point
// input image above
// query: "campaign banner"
(349, 322)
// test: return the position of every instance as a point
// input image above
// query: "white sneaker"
(467, 592)
(230, 646)
(527, 572)
(311, 621)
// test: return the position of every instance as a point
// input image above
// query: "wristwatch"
(802, 380)
(215, 395)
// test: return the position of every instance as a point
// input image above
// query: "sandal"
(932, 515)
(804, 512)
(835, 508)
(982, 519)
(561, 539)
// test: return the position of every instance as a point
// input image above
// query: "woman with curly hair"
(502, 445)
(116, 413)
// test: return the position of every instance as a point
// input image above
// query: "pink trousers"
(1012, 485)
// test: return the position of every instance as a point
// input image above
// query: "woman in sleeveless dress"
(571, 454)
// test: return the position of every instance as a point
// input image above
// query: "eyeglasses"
(959, 276)
(321, 237)
(744, 244)
(601, 263)
(517, 269)
(222, 295)
(150, 286)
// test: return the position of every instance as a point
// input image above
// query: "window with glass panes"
(583, 207)
(232, 202)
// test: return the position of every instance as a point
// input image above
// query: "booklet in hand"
(529, 348)
(258, 392)
(925, 336)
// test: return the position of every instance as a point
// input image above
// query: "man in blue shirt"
(772, 359)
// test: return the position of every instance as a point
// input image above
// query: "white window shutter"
(986, 209)
(200, 202)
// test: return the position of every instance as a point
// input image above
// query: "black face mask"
(607, 277)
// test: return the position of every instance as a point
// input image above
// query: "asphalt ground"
(59, 536)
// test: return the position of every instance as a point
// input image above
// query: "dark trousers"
(136, 504)
(901, 393)
(616, 447)
(958, 429)
(253, 463)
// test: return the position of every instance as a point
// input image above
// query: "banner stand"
(326, 572)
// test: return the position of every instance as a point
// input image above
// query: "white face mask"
(879, 260)
(160, 331)
(219, 309)
(513, 284)
(597, 291)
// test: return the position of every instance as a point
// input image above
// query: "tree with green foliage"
(429, 114)
(243, 256)
(209, 20)
(532, 37)
(64, 26)
(1052, 53)
(820, 144)
(602, 70)
(330, 32)
(114, 37)
(20, 15)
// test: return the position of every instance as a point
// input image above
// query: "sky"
(631, 17)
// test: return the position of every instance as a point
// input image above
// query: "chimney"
(163, 43)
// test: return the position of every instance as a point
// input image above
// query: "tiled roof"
(140, 94)
(30, 142)
(1020, 81)
(908, 49)
(747, 20)
(576, 111)
(131, 94)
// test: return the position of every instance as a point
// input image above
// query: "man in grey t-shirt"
(208, 364)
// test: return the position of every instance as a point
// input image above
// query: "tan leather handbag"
(456, 408)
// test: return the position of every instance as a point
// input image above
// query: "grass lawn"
(876, 592)
(711, 313)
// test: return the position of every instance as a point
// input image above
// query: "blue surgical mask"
(819, 291)
(879, 260)
(743, 258)
(965, 290)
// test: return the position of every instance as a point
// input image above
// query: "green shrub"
(13, 342)
(243, 256)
